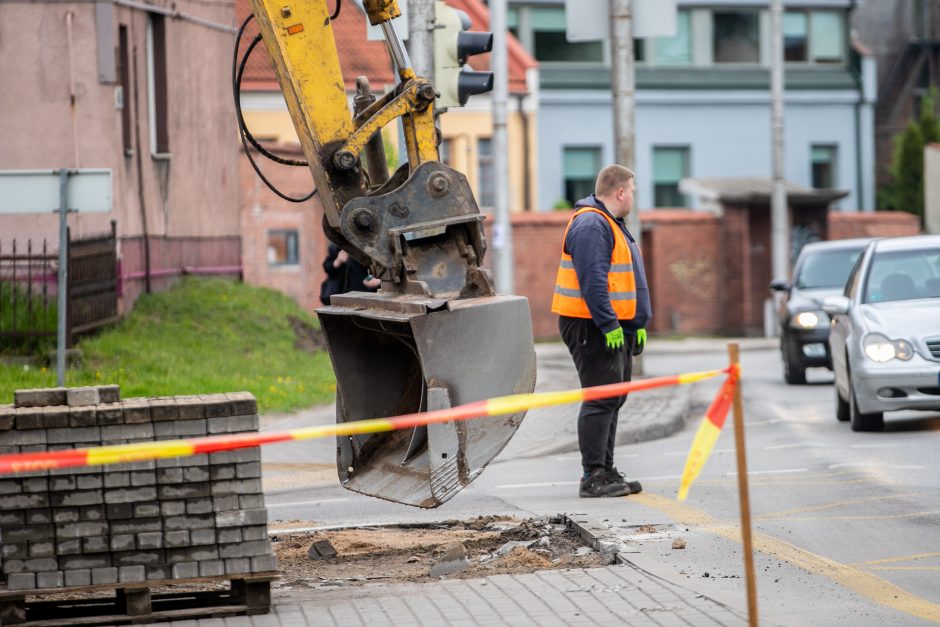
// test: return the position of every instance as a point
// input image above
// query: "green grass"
(21, 313)
(203, 336)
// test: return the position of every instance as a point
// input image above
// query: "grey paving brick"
(185, 570)
(76, 498)
(70, 546)
(215, 405)
(248, 471)
(129, 432)
(28, 418)
(42, 548)
(90, 560)
(237, 486)
(211, 568)
(176, 538)
(169, 475)
(104, 575)
(157, 572)
(232, 424)
(65, 483)
(134, 558)
(163, 409)
(89, 482)
(195, 474)
(199, 506)
(199, 537)
(13, 517)
(74, 435)
(242, 403)
(123, 542)
(39, 397)
(118, 511)
(150, 540)
(21, 581)
(131, 495)
(36, 484)
(146, 510)
(192, 554)
(136, 410)
(226, 503)
(237, 566)
(263, 563)
(18, 550)
(10, 486)
(141, 478)
(38, 516)
(135, 525)
(78, 577)
(117, 480)
(76, 397)
(241, 518)
(183, 491)
(96, 544)
(229, 536)
(201, 521)
(55, 417)
(82, 417)
(109, 414)
(222, 457)
(132, 574)
(93, 512)
(190, 408)
(25, 533)
(27, 437)
(51, 579)
(7, 412)
(222, 472)
(173, 508)
(109, 393)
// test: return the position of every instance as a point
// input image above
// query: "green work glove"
(615, 340)
(640, 343)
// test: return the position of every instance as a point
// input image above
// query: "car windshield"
(903, 275)
(826, 269)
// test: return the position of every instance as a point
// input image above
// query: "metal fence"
(28, 290)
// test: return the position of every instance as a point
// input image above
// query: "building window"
(823, 164)
(795, 36)
(549, 41)
(670, 165)
(157, 84)
(124, 75)
(581, 168)
(486, 175)
(512, 21)
(736, 36)
(826, 37)
(675, 50)
(283, 248)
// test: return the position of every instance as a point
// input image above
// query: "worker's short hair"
(612, 178)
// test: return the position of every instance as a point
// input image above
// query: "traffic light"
(453, 45)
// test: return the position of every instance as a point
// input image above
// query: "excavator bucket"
(399, 354)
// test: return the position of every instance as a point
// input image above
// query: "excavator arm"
(436, 335)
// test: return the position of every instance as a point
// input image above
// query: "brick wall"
(874, 224)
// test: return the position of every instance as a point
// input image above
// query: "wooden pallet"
(136, 603)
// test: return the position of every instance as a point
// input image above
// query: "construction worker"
(602, 299)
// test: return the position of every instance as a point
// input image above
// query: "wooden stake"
(733, 355)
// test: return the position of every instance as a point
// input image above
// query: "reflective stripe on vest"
(621, 281)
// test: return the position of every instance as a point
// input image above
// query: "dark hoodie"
(590, 243)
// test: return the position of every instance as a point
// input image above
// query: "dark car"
(820, 271)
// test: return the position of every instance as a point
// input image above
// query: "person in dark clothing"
(335, 268)
(358, 278)
(602, 298)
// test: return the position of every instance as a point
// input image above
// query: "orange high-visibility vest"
(621, 282)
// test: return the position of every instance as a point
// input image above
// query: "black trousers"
(597, 421)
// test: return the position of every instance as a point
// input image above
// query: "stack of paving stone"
(175, 518)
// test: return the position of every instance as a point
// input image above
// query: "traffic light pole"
(421, 38)
(502, 236)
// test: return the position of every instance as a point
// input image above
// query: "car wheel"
(842, 406)
(863, 422)
(794, 372)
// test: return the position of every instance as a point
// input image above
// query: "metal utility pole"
(62, 281)
(780, 227)
(623, 87)
(421, 38)
(502, 236)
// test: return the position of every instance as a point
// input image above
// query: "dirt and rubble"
(491, 546)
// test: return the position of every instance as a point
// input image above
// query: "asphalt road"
(846, 525)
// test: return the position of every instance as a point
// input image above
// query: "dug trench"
(423, 553)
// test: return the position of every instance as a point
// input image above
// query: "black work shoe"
(598, 485)
(614, 475)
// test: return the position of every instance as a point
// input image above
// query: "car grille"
(933, 345)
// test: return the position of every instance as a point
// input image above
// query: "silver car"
(885, 335)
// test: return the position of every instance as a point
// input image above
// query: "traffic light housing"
(453, 45)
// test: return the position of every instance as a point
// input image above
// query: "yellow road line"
(819, 508)
(906, 558)
(875, 588)
(872, 517)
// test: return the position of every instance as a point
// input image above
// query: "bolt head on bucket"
(396, 355)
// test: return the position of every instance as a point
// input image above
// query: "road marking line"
(298, 503)
(873, 466)
(769, 472)
(819, 508)
(906, 558)
(780, 447)
(873, 517)
(879, 590)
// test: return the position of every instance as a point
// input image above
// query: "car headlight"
(879, 348)
(809, 320)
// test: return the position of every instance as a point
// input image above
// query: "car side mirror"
(779, 285)
(835, 305)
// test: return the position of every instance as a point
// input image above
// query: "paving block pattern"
(177, 518)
